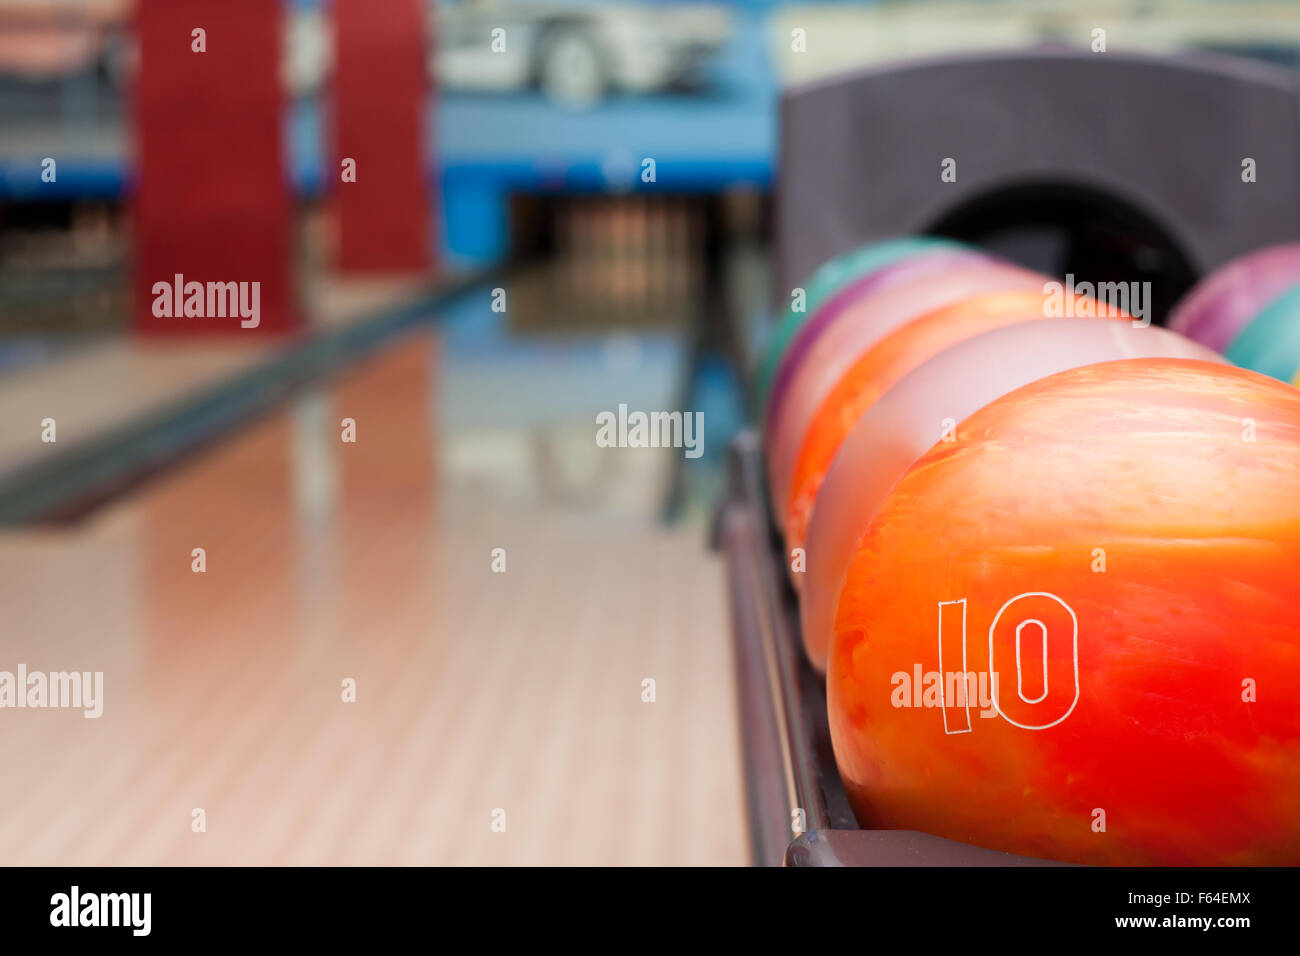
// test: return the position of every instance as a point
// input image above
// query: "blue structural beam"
(77, 178)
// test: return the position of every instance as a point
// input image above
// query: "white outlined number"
(1032, 621)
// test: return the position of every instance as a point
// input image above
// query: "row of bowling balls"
(1048, 563)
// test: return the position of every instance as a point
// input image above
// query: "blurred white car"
(575, 52)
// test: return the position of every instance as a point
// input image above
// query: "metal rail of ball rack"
(785, 738)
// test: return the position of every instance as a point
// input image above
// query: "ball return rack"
(1153, 192)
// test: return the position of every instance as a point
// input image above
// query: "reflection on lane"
(372, 563)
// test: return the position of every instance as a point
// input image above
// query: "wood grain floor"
(475, 691)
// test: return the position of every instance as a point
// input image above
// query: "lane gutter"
(70, 483)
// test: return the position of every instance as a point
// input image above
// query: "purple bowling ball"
(1219, 307)
(901, 271)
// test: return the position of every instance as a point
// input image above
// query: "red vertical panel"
(212, 202)
(381, 85)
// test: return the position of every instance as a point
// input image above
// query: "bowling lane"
(475, 691)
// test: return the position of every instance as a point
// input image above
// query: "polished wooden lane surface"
(475, 691)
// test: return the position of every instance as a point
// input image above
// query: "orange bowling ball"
(1074, 633)
(877, 369)
(925, 407)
